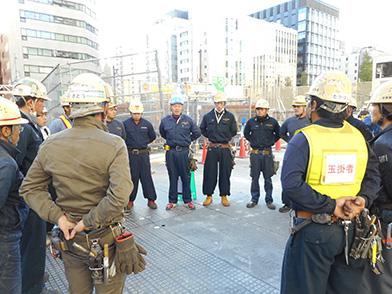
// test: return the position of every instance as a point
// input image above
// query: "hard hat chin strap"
(9, 138)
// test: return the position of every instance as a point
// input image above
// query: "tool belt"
(262, 151)
(139, 151)
(320, 218)
(219, 145)
(177, 148)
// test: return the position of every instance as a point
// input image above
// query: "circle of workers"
(80, 177)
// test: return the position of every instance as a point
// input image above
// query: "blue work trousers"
(33, 247)
(141, 170)
(215, 156)
(261, 163)
(10, 266)
(177, 164)
(314, 262)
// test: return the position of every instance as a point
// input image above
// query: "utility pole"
(201, 67)
(159, 83)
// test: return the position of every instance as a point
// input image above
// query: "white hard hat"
(10, 114)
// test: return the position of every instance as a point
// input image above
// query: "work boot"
(251, 204)
(190, 205)
(271, 206)
(152, 204)
(285, 208)
(208, 201)
(225, 202)
(127, 209)
(171, 205)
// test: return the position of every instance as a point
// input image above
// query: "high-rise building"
(317, 25)
(45, 33)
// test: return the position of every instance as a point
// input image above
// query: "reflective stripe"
(325, 174)
(66, 122)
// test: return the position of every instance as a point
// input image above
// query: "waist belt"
(264, 152)
(219, 145)
(138, 151)
(322, 218)
(106, 235)
(177, 148)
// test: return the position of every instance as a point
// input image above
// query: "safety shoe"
(285, 208)
(251, 204)
(171, 205)
(190, 205)
(152, 204)
(271, 206)
(208, 201)
(225, 202)
(127, 209)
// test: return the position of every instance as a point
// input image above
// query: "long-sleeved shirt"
(13, 210)
(138, 136)
(301, 194)
(179, 133)
(262, 132)
(291, 125)
(116, 127)
(219, 132)
(90, 171)
(58, 125)
(361, 126)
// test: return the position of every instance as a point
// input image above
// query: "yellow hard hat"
(220, 97)
(111, 104)
(332, 86)
(136, 106)
(262, 103)
(31, 88)
(88, 94)
(383, 94)
(10, 114)
(299, 100)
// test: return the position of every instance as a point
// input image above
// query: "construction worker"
(114, 125)
(179, 130)
(140, 133)
(90, 172)
(30, 96)
(219, 126)
(41, 122)
(262, 131)
(329, 176)
(287, 131)
(360, 125)
(63, 121)
(381, 109)
(13, 210)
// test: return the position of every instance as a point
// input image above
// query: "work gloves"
(128, 255)
(193, 164)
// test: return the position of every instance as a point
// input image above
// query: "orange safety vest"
(65, 121)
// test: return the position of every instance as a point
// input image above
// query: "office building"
(317, 26)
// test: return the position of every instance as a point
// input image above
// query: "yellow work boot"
(208, 201)
(225, 202)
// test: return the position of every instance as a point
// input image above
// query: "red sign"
(146, 86)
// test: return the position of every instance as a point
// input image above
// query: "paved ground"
(213, 249)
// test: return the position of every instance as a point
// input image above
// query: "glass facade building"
(317, 26)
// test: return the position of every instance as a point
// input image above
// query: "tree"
(287, 82)
(366, 69)
(304, 78)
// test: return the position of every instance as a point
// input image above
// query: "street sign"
(219, 83)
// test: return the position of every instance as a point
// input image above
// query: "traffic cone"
(193, 186)
(203, 160)
(242, 149)
(278, 147)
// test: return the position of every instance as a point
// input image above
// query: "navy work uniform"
(219, 129)
(361, 126)
(178, 134)
(262, 133)
(116, 127)
(138, 136)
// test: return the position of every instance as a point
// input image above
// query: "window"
(302, 14)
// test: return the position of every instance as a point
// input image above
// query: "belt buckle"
(218, 145)
(178, 148)
(135, 151)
